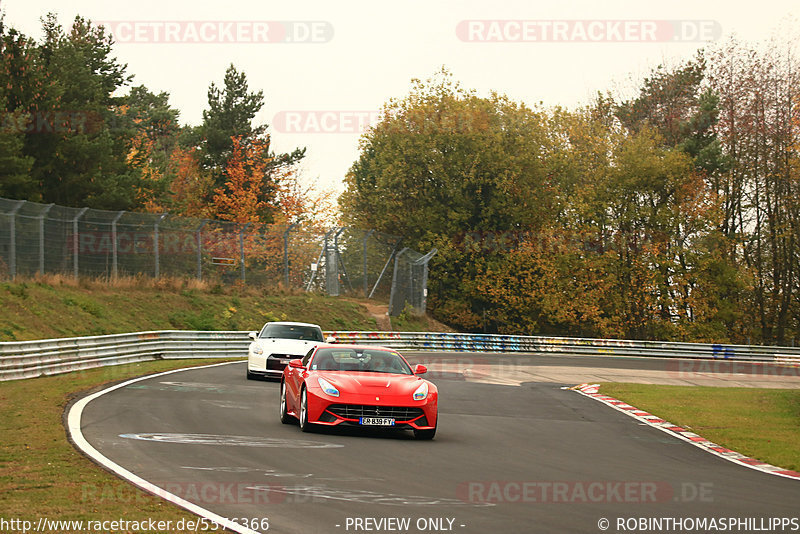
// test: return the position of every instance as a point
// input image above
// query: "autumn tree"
(759, 87)
(231, 111)
(154, 132)
(441, 163)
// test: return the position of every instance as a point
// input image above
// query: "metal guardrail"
(618, 347)
(28, 359)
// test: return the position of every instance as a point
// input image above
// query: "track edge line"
(79, 441)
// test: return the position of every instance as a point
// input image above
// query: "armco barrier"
(618, 347)
(27, 359)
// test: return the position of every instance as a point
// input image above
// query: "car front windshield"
(286, 331)
(365, 360)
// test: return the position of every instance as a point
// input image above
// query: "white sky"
(377, 47)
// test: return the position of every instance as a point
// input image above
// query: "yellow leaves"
(240, 199)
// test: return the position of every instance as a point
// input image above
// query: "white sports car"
(277, 343)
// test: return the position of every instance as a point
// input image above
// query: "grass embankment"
(42, 475)
(56, 306)
(761, 423)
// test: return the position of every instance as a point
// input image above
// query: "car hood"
(297, 347)
(359, 382)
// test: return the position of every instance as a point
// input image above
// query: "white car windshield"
(285, 331)
(369, 360)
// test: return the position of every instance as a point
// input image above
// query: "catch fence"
(50, 239)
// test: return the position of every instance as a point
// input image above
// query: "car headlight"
(422, 392)
(258, 350)
(327, 387)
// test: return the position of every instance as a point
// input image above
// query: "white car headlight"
(422, 392)
(327, 387)
(258, 350)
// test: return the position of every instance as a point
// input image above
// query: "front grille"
(284, 356)
(354, 411)
(275, 365)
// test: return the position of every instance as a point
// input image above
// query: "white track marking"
(74, 429)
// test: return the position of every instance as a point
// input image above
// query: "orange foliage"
(190, 184)
(240, 199)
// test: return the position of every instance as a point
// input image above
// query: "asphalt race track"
(523, 457)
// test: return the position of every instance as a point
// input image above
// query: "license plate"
(377, 421)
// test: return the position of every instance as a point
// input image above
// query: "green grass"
(43, 475)
(761, 423)
(54, 307)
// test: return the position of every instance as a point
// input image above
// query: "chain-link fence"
(410, 281)
(46, 238)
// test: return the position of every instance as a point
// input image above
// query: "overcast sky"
(354, 55)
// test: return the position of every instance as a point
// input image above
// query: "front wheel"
(305, 426)
(426, 434)
(285, 417)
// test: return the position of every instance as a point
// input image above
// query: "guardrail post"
(12, 242)
(114, 246)
(155, 246)
(75, 241)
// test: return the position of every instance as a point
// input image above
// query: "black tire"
(251, 376)
(285, 417)
(305, 426)
(426, 434)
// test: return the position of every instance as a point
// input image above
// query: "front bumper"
(407, 413)
(274, 364)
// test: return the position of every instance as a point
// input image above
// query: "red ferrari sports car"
(358, 385)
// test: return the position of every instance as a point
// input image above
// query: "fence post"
(332, 264)
(155, 245)
(199, 233)
(423, 290)
(114, 246)
(12, 242)
(286, 254)
(41, 236)
(319, 262)
(75, 241)
(340, 261)
(383, 271)
(241, 248)
(366, 282)
(393, 296)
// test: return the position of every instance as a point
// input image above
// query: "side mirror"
(296, 364)
(330, 339)
(420, 369)
(253, 335)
